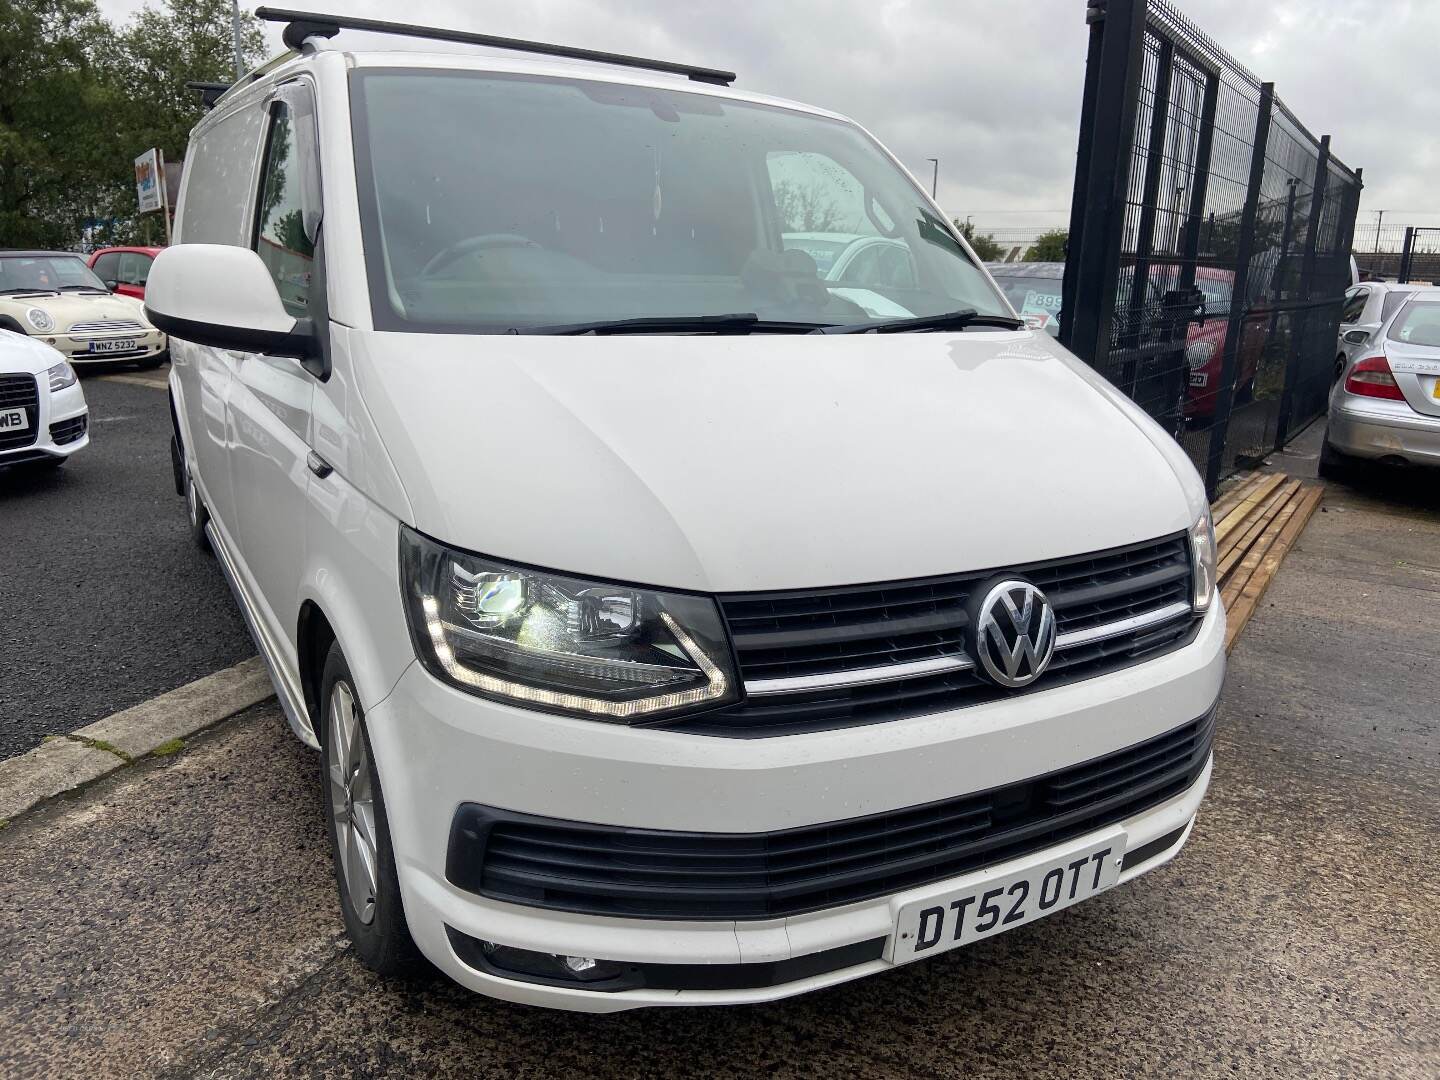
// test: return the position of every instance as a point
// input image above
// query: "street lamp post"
(235, 29)
(934, 177)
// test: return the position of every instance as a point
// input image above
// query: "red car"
(1205, 345)
(124, 269)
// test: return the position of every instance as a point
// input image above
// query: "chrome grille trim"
(108, 326)
(958, 662)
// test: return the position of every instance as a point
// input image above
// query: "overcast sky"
(992, 87)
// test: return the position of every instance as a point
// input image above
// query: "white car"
(1386, 405)
(43, 416)
(1367, 308)
(674, 631)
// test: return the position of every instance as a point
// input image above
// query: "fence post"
(1092, 263)
(1239, 292)
(1150, 197)
(1406, 254)
(1307, 288)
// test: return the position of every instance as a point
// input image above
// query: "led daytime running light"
(716, 685)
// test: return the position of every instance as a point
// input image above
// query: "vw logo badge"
(1014, 633)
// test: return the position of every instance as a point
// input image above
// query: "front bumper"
(62, 427)
(1376, 428)
(437, 748)
(77, 347)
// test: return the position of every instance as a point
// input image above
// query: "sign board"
(149, 170)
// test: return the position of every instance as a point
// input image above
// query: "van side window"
(287, 213)
(134, 268)
(218, 170)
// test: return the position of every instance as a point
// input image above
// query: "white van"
(679, 625)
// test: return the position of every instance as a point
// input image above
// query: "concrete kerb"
(65, 763)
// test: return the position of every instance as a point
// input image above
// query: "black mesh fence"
(1398, 252)
(1209, 242)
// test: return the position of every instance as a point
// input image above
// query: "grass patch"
(101, 744)
(170, 746)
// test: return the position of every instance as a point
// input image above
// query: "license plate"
(1006, 899)
(14, 420)
(111, 345)
(1199, 378)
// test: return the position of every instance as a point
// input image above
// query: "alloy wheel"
(352, 803)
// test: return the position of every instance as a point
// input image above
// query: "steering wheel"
(470, 245)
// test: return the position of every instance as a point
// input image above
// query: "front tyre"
(360, 831)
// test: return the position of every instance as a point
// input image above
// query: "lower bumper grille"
(22, 392)
(650, 873)
(68, 431)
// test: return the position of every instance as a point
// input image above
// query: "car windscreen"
(1417, 324)
(46, 273)
(493, 201)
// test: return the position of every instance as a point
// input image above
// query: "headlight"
(61, 376)
(40, 320)
(1198, 354)
(563, 644)
(1202, 562)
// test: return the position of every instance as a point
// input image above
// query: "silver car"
(1386, 404)
(1368, 307)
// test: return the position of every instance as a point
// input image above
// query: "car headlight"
(40, 320)
(1198, 353)
(1202, 562)
(563, 644)
(61, 376)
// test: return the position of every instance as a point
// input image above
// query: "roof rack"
(210, 92)
(306, 24)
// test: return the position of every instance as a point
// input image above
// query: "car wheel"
(1339, 367)
(360, 831)
(195, 510)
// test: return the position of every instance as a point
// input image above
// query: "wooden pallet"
(1256, 524)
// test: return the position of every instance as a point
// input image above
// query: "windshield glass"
(46, 273)
(1417, 324)
(497, 201)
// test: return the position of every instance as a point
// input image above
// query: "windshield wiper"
(82, 288)
(32, 290)
(739, 323)
(951, 320)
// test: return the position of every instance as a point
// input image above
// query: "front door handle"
(318, 465)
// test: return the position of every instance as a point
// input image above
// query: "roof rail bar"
(210, 92)
(305, 24)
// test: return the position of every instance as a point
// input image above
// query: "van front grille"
(1118, 607)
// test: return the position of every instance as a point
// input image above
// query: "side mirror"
(224, 297)
(1357, 337)
(111, 284)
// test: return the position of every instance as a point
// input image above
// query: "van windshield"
(496, 202)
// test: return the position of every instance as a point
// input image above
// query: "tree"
(160, 50)
(80, 100)
(54, 119)
(985, 246)
(1049, 246)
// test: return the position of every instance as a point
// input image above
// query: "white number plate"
(990, 906)
(14, 420)
(112, 345)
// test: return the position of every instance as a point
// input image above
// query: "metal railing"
(1210, 239)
